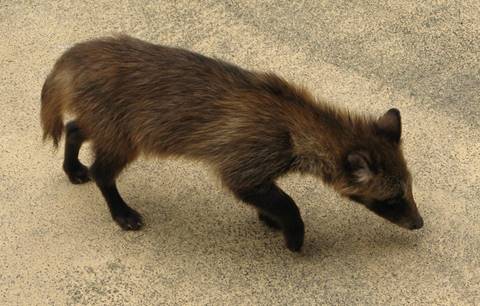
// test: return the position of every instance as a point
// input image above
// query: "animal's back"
(127, 93)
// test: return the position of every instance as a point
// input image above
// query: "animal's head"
(376, 174)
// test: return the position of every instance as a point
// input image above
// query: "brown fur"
(130, 97)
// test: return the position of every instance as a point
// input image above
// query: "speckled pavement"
(58, 245)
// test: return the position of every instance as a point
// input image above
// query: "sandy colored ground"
(58, 245)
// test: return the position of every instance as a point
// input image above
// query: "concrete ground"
(58, 245)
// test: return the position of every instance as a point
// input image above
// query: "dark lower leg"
(268, 221)
(77, 173)
(126, 217)
(104, 172)
(277, 208)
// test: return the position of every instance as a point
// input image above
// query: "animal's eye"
(393, 201)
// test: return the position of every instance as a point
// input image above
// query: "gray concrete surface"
(58, 245)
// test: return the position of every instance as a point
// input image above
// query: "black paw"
(268, 221)
(78, 175)
(294, 237)
(129, 220)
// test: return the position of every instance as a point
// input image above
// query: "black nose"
(417, 224)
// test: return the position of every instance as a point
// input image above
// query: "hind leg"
(76, 172)
(104, 171)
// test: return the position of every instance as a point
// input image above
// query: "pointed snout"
(416, 220)
(417, 223)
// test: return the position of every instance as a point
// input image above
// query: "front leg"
(268, 221)
(277, 206)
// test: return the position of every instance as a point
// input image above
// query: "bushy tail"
(51, 113)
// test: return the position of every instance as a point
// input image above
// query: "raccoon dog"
(130, 97)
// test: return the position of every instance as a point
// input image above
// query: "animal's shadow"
(199, 222)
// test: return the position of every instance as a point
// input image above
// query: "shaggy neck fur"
(322, 137)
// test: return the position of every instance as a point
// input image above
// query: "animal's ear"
(359, 166)
(390, 125)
